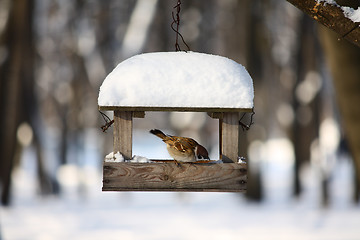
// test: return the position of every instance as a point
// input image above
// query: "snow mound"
(118, 157)
(352, 14)
(178, 79)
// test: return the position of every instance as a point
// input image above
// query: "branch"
(331, 16)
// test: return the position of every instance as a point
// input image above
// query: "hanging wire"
(108, 121)
(243, 125)
(176, 20)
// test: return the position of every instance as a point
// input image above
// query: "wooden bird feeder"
(184, 82)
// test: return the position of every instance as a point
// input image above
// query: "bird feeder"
(182, 82)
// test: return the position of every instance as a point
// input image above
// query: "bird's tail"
(158, 133)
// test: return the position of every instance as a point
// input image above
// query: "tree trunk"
(344, 61)
(16, 68)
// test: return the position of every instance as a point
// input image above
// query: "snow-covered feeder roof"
(177, 81)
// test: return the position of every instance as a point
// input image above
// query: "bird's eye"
(199, 157)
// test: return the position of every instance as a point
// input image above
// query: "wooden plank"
(216, 115)
(230, 137)
(139, 114)
(226, 177)
(172, 109)
(123, 133)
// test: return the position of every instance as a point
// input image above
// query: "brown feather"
(158, 133)
(182, 148)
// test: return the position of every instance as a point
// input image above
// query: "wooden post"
(123, 133)
(229, 137)
(220, 138)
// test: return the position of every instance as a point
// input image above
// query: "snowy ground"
(84, 212)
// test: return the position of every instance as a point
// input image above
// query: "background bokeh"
(54, 55)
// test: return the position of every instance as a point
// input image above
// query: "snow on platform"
(178, 79)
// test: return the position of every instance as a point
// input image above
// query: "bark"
(331, 16)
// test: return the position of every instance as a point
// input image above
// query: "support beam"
(123, 133)
(138, 114)
(216, 115)
(229, 137)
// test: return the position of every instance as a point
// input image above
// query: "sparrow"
(182, 149)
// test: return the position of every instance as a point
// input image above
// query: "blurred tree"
(343, 59)
(16, 72)
(18, 103)
(54, 55)
(307, 106)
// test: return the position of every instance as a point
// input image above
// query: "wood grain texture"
(216, 115)
(230, 137)
(139, 114)
(123, 133)
(226, 177)
(172, 109)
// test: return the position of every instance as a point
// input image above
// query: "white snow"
(241, 160)
(216, 161)
(178, 79)
(352, 14)
(84, 212)
(118, 157)
(332, 2)
(140, 159)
